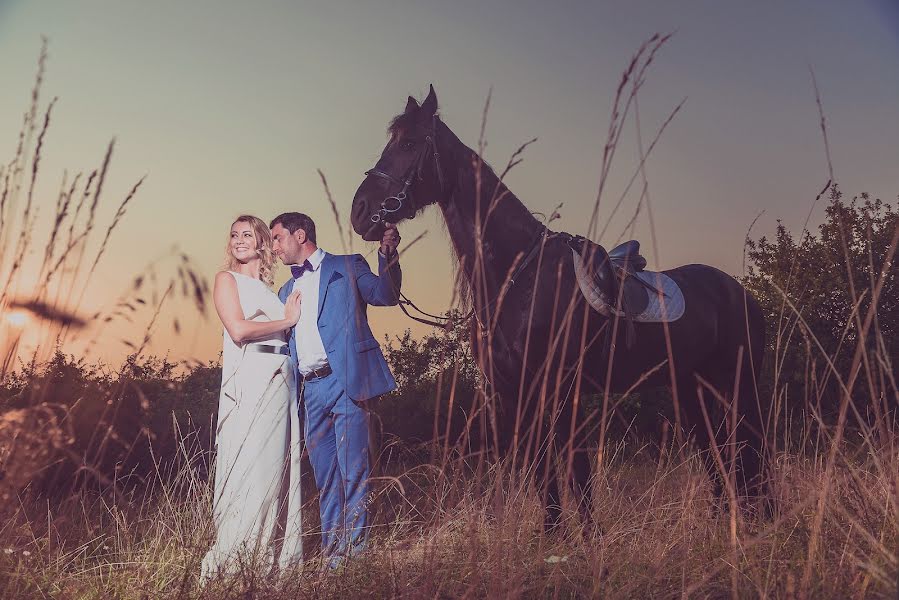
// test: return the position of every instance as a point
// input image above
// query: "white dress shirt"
(311, 353)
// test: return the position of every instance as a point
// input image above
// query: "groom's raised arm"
(382, 289)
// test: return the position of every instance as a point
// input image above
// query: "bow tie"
(297, 270)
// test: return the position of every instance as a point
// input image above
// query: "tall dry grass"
(441, 532)
(453, 520)
(47, 265)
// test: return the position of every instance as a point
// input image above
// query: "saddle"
(610, 281)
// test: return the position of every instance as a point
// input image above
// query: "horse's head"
(408, 176)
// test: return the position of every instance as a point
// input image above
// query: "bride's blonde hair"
(263, 248)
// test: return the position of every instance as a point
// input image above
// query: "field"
(104, 469)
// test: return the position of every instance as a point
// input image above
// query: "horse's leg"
(694, 423)
(740, 362)
(752, 479)
(737, 428)
(544, 448)
(551, 493)
(539, 447)
(564, 470)
(533, 447)
(573, 459)
(554, 445)
(577, 460)
(736, 370)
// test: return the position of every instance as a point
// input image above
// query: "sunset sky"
(230, 107)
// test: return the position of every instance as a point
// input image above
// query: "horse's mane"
(462, 292)
(399, 127)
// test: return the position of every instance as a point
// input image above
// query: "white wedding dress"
(257, 500)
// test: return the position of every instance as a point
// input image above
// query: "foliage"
(809, 284)
(121, 425)
(431, 373)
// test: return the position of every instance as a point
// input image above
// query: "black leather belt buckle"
(318, 373)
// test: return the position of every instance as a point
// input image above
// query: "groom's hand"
(390, 240)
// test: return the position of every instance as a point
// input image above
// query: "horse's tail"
(754, 325)
(753, 407)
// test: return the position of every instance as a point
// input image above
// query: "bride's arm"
(227, 305)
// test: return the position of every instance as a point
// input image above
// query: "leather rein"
(447, 322)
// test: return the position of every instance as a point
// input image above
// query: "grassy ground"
(444, 532)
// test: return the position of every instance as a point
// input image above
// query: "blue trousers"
(337, 438)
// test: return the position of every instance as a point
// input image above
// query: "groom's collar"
(316, 259)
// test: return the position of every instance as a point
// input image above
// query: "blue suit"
(336, 417)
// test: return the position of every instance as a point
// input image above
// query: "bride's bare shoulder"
(225, 278)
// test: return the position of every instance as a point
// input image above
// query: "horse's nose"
(359, 211)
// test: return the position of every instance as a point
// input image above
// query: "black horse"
(540, 345)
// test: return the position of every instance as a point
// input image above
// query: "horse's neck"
(480, 201)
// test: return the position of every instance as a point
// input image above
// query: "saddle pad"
(668, 307)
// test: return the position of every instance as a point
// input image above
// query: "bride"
(257, 500)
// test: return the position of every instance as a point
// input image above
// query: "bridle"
(392, 204)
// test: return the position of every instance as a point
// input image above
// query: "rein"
(447, 321)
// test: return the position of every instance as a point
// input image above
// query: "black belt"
(316, 373)
(269, 349)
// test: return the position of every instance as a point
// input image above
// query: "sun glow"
(17, 318)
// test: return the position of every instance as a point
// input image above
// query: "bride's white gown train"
(257, 499)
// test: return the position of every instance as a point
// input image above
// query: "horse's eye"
(407, 145)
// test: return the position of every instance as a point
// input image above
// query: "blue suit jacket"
(347, 288)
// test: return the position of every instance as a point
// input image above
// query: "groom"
(340, 367)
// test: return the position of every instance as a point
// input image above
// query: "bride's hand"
(292, 308)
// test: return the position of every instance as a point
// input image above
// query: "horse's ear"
(411, 105)
(429, 106)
